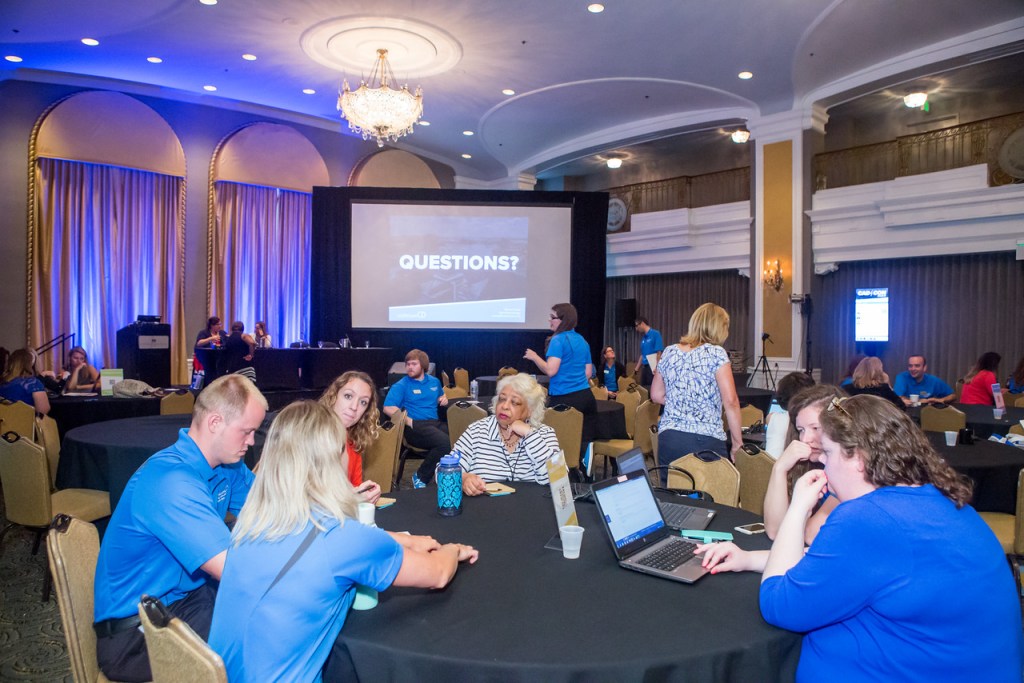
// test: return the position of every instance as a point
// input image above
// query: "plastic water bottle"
(449, 486)
(198, 379)
(474, 390)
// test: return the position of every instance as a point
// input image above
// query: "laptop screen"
(631, 461)
(629, 508)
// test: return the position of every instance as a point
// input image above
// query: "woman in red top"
(353, 398)
(978, 382)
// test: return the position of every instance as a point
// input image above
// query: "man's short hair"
(924, 361)
(227, 396)
(421, 356)
(639, 320)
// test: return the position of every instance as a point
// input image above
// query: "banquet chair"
(445, 381)
(176, 652)
(73, 546)
(600, 393)
(17, 416)
(28, 501)
(947, 419)
(568, 425)
(755, 468)
(462, 379)
(645, 418)
(380, 461)
(630, 401)
(48, 436)
(452, 393)
(958, 390)
(177, 404)
(460, 416)
(1016, 429)
(645, 395)
(1009, 529)
(506, 371)
(751, 415)
(1019, 403)
(716, 476)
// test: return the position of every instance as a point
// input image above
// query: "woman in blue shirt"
(275, 624)
(19, 382)
(569, 366)
(904, 581)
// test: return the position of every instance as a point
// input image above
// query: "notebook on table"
(640, 538)
(677, 515)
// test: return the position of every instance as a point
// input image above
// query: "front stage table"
(311, 368)
(524, 613)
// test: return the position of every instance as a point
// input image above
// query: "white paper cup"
(366, 513)
(572, 539)
(950, 438)
(915, 399)
(997, 413)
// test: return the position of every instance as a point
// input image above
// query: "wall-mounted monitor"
(871, 314)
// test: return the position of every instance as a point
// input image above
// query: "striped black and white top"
(484, 454)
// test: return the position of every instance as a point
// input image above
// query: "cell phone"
(749, 529)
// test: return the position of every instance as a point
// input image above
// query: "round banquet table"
(524, 613)
(993, 467)
(74, 411)
(980, 419)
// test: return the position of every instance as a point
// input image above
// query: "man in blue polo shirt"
(650, 342)
(916, 380)
(419, 394)
(167, 537)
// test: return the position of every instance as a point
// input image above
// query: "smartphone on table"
(749, 529)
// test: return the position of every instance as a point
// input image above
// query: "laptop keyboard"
(669, 556)
(676, 515)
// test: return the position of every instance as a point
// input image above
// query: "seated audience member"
(420, 394)
(804, 410)
(916, 380)
(906, 582)
(238, 350)
(19, 382)
(271, 624)
(77, 375)
(263, 340)
(353, 398)
(512, 444)
(847, 379)
(167, 537)
(778, 432)
(1016, 382)
(610, 371)
(978, 382)
(870, 378)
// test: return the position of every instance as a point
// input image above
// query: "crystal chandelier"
(376, 111)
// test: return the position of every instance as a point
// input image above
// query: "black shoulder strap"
(299, 552)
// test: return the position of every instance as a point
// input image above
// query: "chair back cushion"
(568, 426)
(177, 404)
(646, 418)
(755, 471)
(16, 416)
(25, 476)
(73, 546)
(718, 477)
(176, 653)
(630, 400)
(460, 416)
(462, 379)
(947, 419)
(48, 436)
(751, 415)
(381, 458)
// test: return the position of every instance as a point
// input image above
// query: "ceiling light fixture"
(421, 122)
(467, 133)
(745, 75)
(740, 136)
(154, 60)
(508, 91)
(13, 58)
(308, 91)
(207, 2)
(613, 162)
(467, 156)
(376, 111)
(595, 8)
(915, 99)
(210, 88)
(91, 42)
(249, 57)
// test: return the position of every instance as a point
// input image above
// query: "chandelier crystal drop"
(375, 110)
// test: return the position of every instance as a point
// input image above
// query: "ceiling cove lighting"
(376, 111)
(915, 99)
(740, 136)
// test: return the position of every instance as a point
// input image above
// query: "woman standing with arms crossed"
(568, 364)
(694, 382)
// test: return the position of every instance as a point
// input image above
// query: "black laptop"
(640, 538)
(677, 515)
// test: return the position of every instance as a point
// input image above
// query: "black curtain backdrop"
(481, 352)
(949, 308)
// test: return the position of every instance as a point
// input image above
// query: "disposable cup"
(366, 598)
(572, 539)
(950, 438)
(366, 513)
(915, 399)
(997, 413)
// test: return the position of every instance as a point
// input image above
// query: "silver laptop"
(677, 515)
(640, 538)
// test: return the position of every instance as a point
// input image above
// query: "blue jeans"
(674, 444)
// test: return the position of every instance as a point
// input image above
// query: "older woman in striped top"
(512, 444)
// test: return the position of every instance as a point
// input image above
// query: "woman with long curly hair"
(353, 398)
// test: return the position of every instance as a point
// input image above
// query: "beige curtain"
(107, 244)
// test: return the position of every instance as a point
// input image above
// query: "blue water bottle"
(449, 486)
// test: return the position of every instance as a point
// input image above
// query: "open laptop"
(677, 515)
(640, 538)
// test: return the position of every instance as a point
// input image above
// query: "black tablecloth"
(74, 411)
(488, 384)
(993, 467)
(524, 613)
(311, 368)
(760, 398)
(979, 418)
(105, 455)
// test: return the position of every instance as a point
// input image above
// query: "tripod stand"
(762, 365)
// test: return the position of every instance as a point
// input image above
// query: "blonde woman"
(694, 382)
(270, 624)
(19, 382)
(869, 378)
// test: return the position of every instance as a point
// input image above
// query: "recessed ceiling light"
(154, 60)
(740, 136)
(467, 156)
(208, 2)
(423, 123)
(915, 99)
(209, 88)
(92, 42)
(745, 75)
(13, 58)
(467, 133)
(308, 91)
(508, 91)
(595, 8)
(614, 162)
(248, 57)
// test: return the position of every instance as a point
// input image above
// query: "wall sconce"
(772, 276)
